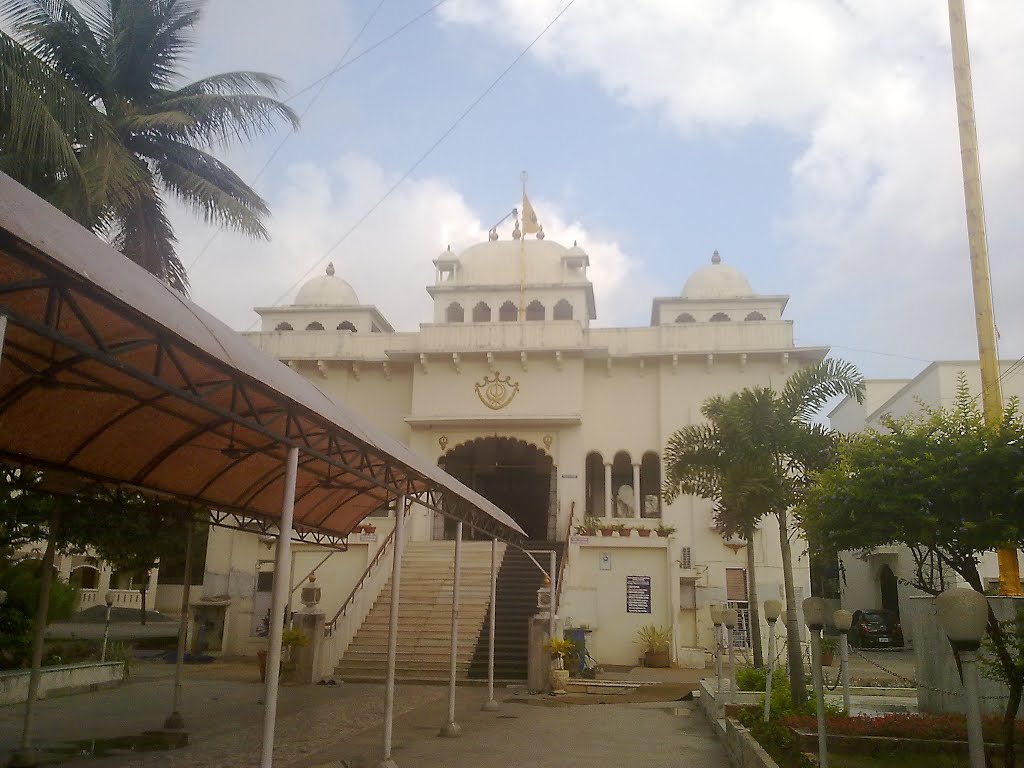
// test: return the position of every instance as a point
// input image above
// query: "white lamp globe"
(716, 614)
(772, 610)
(729, 617)
(814, 612)
(842, 620)
(963, 615)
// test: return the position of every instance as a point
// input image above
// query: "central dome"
(717, 281)
(326, 291)
(504, 262)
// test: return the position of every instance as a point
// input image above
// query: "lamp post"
(772, 611)
(716, 620)
(843, 620)
(963, 614)
(729, 619)
(814, 617)
(109, 599)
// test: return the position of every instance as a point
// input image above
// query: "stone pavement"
(340, 726)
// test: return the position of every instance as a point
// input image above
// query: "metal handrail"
(332, 624)
(565, 557)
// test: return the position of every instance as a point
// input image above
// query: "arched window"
(719, 317)
(595, 484)
(314, 326)
(481, 313)
(455, 313)
(622, 485)
(562, 310)
(345, 325)
(686, 317)
(534, 311)
(650, 485)
(283, 327)
(507, 312)
(753, 316)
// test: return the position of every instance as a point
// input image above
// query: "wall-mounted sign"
(606, 561)
(567, 476)
(638, 594)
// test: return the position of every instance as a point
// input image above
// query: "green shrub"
(753, 678)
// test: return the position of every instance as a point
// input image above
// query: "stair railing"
(564, 558)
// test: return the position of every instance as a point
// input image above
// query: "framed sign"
(638, 594)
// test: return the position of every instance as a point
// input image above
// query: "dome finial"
(330, 269)
(715, 258)
(493, 234)
(540, 232)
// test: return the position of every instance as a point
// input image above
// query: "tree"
(945, 485)
(774, 448)
(706, 460)
(93, 117)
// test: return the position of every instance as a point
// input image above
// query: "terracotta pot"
(657, 659)
(559, 678)
(644, 532)
(662, 534)
(625, 532)
(607, 531)
(369, 529)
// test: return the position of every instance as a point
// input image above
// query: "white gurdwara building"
(513, 392)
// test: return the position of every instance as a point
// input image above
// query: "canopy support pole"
(389, 684)
(491, 705)
(277, 604)
(175, 721)
(452, 728)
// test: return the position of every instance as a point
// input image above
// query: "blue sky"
(813, 143)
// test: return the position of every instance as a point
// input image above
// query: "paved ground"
(71, 630)
(340, 726)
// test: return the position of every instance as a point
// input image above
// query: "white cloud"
(877, 234)
(387, 258)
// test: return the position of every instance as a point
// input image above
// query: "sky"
(813, 143)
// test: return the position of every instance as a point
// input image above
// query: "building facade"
(510, 388)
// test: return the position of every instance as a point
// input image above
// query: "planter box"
(61, 680)
(808, 741)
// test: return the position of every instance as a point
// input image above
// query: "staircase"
(425, 615)
(518, 582)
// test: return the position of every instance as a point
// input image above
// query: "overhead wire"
(419, 161)
(342, 63)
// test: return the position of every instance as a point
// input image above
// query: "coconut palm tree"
(754, 458)
(94, 117)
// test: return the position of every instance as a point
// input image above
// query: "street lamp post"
(843, 620)
(106, 627)
(730, 616)
(963, 614)
(814, 617)
(772, 611)
(716, 620)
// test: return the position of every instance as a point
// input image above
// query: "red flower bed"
(952, 727)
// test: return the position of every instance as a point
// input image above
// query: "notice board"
(638, 594)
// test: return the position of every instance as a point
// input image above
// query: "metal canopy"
(110, 374)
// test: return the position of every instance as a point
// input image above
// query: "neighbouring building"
(879, 579)
(510, 388)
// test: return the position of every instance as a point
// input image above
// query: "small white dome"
(326, 291)
(717, 281)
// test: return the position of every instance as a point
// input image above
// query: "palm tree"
(757, 453)
(93, 117)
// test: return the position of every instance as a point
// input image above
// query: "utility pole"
(991, 391)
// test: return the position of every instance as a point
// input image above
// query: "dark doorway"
(890, 589)
(513, 474)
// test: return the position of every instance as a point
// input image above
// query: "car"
(876, 628)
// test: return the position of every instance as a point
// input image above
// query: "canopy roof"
(109, 374)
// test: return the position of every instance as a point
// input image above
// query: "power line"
(343, 63)
(412, 169)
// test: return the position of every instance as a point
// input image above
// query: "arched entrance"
(514, 474)
(889, 588)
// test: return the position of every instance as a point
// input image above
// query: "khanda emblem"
(496, 392)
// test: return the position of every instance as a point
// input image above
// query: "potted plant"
(357, 529)
(665, 530)
(290, 638)
(643, 531)
(606, 528)
(623, 529)
(829, 645)
(559, 648)
(655, 641)
(587, 528)
(369, 529)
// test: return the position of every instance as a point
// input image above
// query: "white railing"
(123, 598)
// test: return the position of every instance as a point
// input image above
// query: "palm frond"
(211, 188)
(810, 388)
(221, 118)
(144, 234)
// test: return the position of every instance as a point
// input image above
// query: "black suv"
(876, 629)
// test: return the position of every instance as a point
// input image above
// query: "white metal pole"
(975, 737)
(553, 567)
(731, 640)
(770, 668)
(491, 705)
(819, 696)
(452, 728)
(106, 632)
(175, 721)
(389, 685)
(844, 660)
(277, 604)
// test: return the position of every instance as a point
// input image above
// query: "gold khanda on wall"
(496, 392)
